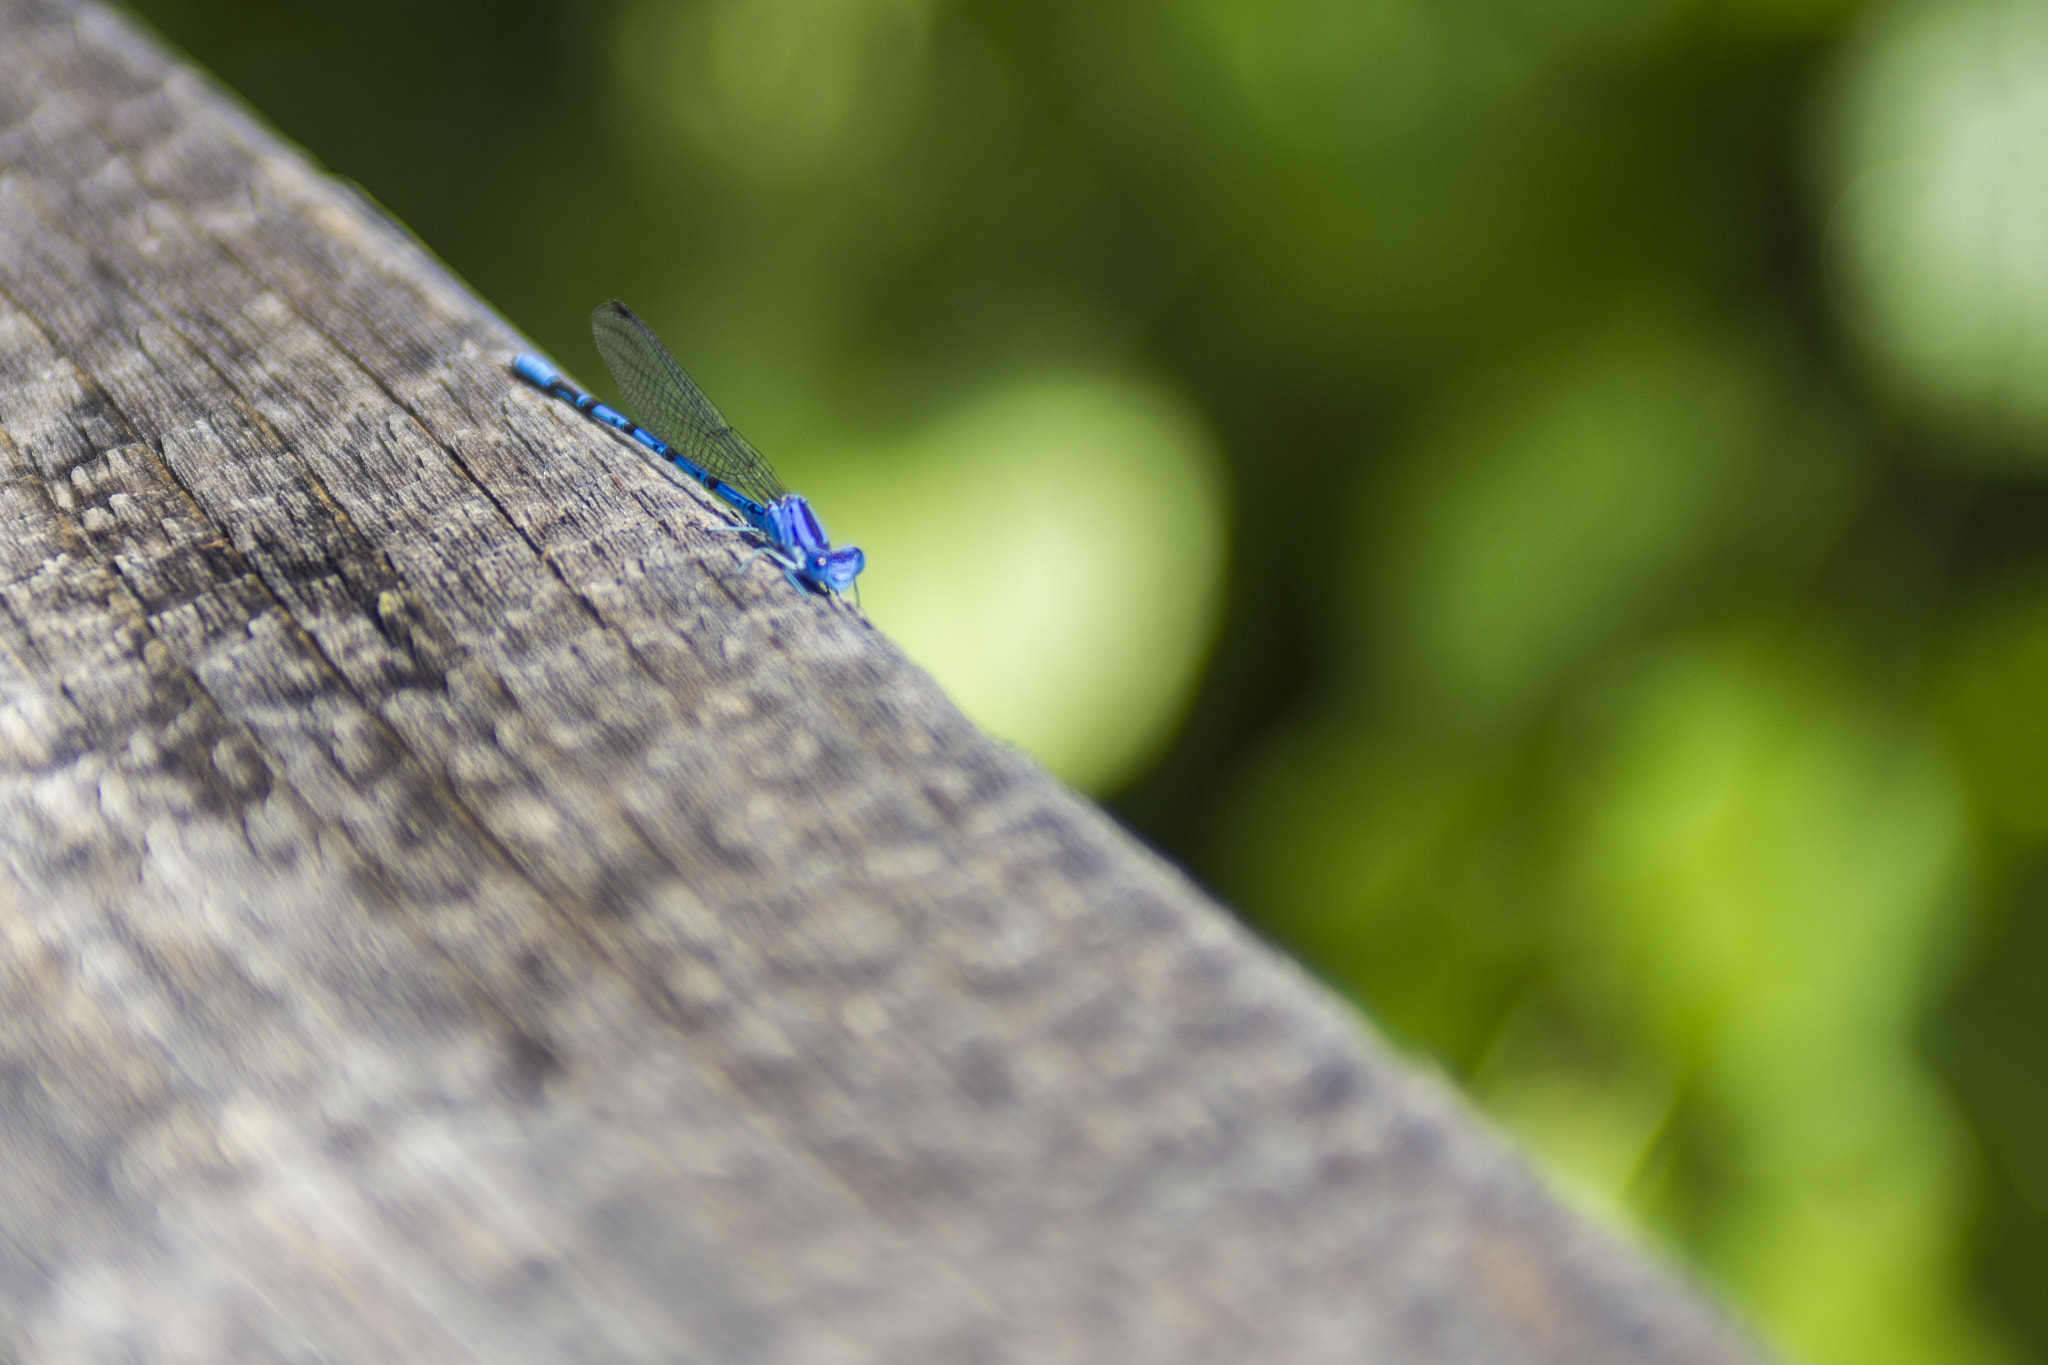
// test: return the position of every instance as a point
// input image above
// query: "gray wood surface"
(451, 911)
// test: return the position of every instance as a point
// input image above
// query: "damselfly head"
(837, 569)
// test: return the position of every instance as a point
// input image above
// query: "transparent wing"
(662, 397)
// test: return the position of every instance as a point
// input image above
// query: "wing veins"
(661, 396)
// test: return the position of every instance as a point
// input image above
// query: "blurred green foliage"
(1538, 501)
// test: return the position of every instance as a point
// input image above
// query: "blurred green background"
(1541, 503)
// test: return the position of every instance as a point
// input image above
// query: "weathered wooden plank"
(454, 909)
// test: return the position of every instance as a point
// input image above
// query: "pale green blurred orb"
(1939, 238)
(786, 91)
(1053, 554)
(1770, 860)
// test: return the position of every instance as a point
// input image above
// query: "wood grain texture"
(453, 911)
